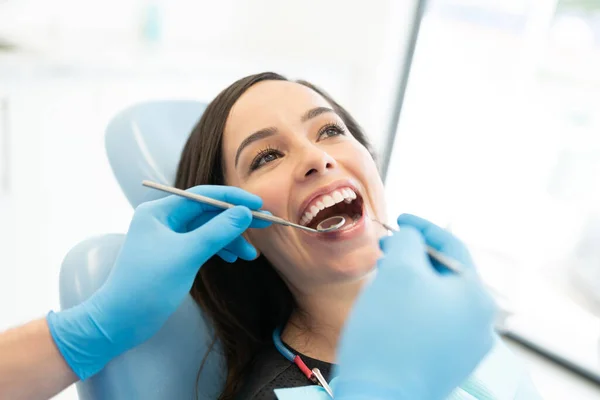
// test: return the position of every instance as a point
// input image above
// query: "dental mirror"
(331, 223)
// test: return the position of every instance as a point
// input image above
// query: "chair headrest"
(145, 141)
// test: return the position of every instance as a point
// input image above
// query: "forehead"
(270, 103)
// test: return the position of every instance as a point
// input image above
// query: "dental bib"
(500, 376)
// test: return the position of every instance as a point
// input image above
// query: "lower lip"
(356, 229)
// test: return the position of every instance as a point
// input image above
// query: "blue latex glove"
(167, 242)
(414, 332)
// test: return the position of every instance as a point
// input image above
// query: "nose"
(314, 161)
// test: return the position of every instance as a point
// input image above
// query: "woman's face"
(284, 143)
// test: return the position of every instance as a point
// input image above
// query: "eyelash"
(333, 125)
(256, 162)
(261, 154)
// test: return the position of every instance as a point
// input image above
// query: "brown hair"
(245, 300)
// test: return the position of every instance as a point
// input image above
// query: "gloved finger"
(242, 249)
(227, 256)
(405, 249)
(438, 238)
(259, 223)
(208, 215)
(177, 212)
(217, 233)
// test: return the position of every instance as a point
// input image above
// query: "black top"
(271, 371)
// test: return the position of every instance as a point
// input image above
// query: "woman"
(307, 158)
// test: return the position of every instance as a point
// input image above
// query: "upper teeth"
(337, 196)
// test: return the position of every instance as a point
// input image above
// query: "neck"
(314, 330)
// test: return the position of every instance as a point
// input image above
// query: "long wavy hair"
(245, 300)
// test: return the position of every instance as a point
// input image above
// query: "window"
(499, 140)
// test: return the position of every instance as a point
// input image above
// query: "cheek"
(359, 161)
(272, 191)
(273, 188)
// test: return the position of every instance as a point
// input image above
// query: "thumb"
(220, 231)
(404, 247)
(404, 255)
(438, 238)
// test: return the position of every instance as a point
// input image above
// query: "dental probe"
(450, 263)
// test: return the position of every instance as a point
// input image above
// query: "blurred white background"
(499, 140)
(498, 137)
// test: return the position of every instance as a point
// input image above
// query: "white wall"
(353, 49)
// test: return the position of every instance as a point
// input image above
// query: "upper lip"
(342, 183)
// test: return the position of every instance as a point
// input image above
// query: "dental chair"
(144, 142)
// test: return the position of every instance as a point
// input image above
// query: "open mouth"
(343, 202)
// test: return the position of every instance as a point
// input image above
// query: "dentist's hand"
(415, 332)
(167, 242)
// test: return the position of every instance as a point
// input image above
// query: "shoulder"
(270, 371)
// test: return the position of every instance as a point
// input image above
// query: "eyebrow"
(267, 132)
(315, 112)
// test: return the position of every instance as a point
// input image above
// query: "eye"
(265, 156)
(330, 130)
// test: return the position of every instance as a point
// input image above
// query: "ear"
(246, 236)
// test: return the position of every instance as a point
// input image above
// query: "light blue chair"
(144, 142)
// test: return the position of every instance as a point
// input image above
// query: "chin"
(354, 264)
